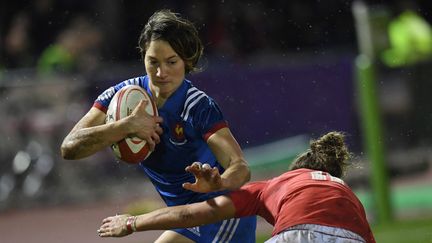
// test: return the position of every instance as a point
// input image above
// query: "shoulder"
(141, 81)
(103, 100)
(292, 176)
(193, 94)
(196, 100)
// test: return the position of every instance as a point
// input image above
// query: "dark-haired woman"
(309, 203)
(194, 130)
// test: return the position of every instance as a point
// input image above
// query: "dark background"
(278, 69)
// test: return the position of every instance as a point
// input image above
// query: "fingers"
(105, 230)
(206, 178)
(188, 186)
(198, 167)
(204, 171)
(206, 166)
(153, 140)
(158, 129)
(194, 168)
(155, 137)
(141, 108)
(144, 102)
(107, 220)
(158, 119)
(214, 172)
(151, 144)
(106, 233)
(112, 226)
(141, 105)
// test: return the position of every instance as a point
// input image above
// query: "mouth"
(162, 81)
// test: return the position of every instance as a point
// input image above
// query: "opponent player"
(194, 129)
(309, 203)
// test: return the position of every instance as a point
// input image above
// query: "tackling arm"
(184, 216)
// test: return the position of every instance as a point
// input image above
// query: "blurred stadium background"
(282, 71)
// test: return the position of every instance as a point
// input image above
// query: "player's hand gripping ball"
(131, 149)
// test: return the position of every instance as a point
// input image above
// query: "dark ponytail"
(328, 153)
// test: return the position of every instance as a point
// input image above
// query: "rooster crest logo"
(178, 136)
(179, 132)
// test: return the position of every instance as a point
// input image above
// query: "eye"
(172, 62)
(152, 62)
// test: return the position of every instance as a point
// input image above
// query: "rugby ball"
(131, 149)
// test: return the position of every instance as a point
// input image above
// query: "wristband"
(131, 224)
(134, 224)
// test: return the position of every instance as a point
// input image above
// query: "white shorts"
(306, 233)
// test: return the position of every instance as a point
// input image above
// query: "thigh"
(173, 237)
(230, 230)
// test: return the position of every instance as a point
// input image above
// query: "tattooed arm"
(91, 134)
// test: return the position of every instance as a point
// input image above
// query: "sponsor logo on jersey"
(195, 230)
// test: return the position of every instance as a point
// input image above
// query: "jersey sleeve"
(208, 118)
(246, 200)
(103, 100)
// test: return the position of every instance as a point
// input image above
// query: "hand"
(207, 179)
(144, 125)
(114, 226)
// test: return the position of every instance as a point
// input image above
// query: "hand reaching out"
(114, 226)
(207, 179)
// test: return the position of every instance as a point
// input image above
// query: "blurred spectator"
(75, 50)
(28, 27)
(17, 42)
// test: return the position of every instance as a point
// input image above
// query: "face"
(164, 67)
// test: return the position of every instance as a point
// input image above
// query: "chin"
(166, 90)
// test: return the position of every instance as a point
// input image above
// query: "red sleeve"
(246, 200)
(216, 127)
(100, 107)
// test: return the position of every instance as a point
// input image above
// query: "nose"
(161, 73)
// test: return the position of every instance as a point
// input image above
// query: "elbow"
(246, 170)
(248, 173)
(67, 152)
(244, 174)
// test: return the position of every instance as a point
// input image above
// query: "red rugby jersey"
(303, 196)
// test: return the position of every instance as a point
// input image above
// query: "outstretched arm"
(230, 156)
(184, 216)
(91, 134)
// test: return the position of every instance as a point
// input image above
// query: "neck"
(159, 97)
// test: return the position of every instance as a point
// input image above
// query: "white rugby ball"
(131, 149)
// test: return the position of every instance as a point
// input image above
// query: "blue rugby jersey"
(190, 117)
